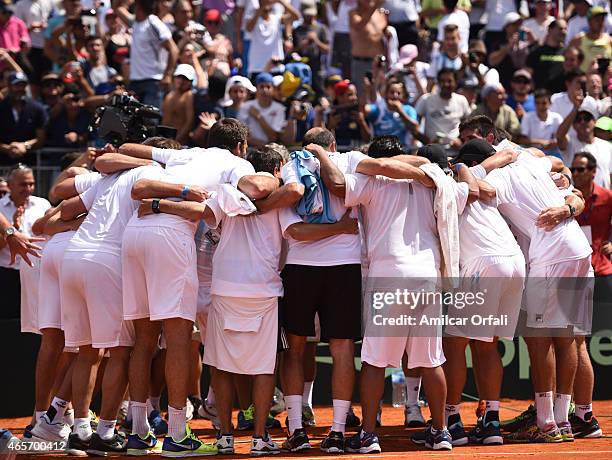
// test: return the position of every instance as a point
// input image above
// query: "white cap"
(236, 80)
(185, 70)
(511, 18)
(277, 80)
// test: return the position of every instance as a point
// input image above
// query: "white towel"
(445, 210)
(233, 202)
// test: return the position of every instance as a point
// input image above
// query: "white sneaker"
(225, 443)
(261, 447)
(209, 412)
(47, 431)
(413, 416)
(189, 412)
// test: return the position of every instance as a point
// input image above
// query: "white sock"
(150, 407)
(140, 422)
(450, 409)
(37, 415)
(69, 417)
(177, 423)
(106, 428)
(125, 405)
(56, 410)
(561, 408)
(583, 410)
(294, 412)
(491, 406)
(544, 408)
(210, 397)
(307, 395)
(413, 387)
(341, 408)
(82, 427)
(155, 403)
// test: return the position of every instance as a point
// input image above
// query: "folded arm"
(189, 210)
(137, 151)
(257, 186)
(394, 169)
(148, 188)
(312, 232)
(285, 196)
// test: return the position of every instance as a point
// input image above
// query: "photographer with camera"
(345, 120)
(68, 126)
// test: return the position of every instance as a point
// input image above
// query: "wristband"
(155, 206)
(458, 167)
(185, 192)
(571, 209)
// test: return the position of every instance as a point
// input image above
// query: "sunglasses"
(579, 169)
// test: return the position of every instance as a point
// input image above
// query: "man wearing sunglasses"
(584, 140)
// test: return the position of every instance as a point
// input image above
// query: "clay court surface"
(396, 444)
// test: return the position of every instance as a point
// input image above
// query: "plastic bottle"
(398, 384)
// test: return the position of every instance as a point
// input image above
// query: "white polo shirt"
(35, 208)
(334, 250)
(600, 149)
(524, 189)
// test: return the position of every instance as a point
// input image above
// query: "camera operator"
(68, 127)
(345, 119)
(474, 70)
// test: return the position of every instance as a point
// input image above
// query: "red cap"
(341, 87)
(212, 16)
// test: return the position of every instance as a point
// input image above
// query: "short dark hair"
(444, 70)
(321, 136)
(578, 51)
(591, 161)
(450, 5)
(572, 74)
(448, 28)
(148, 6)
(385, 147)
(162, 142)
(91, 38)
(541, 92)
(227, 133)
(265, 159)
(481, 123)
(67, 159)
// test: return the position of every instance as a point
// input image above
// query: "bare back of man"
(178, 112)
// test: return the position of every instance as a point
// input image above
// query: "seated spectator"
(595, 42)
(69, 127)
(95, 68)
(177, 107)
(520, 98)
(539, 128)
(391, 116)
(576, 87)
(546, 61)
(538, 24)
(443, 110)
(511, 53)
(494, 106)
(264, 117)
(117, 42)
(345, 119)
(23, 121)
(460, 18)
(447, 56)
(51, 90)
(237, 92)
(583, 140)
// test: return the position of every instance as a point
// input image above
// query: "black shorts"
(332, 292)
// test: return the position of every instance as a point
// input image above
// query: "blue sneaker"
(487, 432)
(421, 436)
(158, 424)
(138, 446)
(438, 439)
(189, 446)
(456, 430)
(246, 419)
(363, 443)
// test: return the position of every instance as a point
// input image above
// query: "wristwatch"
(9, 231)
(571, 209)
(155, 206)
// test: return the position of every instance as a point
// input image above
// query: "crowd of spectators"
(361, 68)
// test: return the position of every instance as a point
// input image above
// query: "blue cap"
(264, 77)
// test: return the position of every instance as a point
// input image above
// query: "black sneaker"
(585, 429)
(76, 446)
(487, 433)
(333, 443)
(352, 421)
(113, 447)
(297, 441)
(524, 419)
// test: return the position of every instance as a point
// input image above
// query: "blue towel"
(314, 186)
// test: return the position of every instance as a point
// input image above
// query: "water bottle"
(398, 384)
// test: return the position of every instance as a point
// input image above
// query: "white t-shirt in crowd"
(146, 58)
(576, 25)
(538, 30)
(534, 128)
(334, 250)
(110, 207)
(496, 11)
(560, 103)
(600, 149)
(399, 225)
(442, 115)
(246, 261)
(35, 208)
(462, 20)
(524, 189)
(274, 115)
(208, 168)
(31, 11)
(266, 42)
(482, 229)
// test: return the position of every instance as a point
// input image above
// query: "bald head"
(320, 136)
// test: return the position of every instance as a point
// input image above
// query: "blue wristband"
(459, 166)
(185, 192)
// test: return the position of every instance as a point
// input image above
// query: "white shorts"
(159, 274)
(92, 312)
(49, 299)
(502, 279)
(560, 295)
(29, 278)
(242, 335)
(388, 351)
(204, 268)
